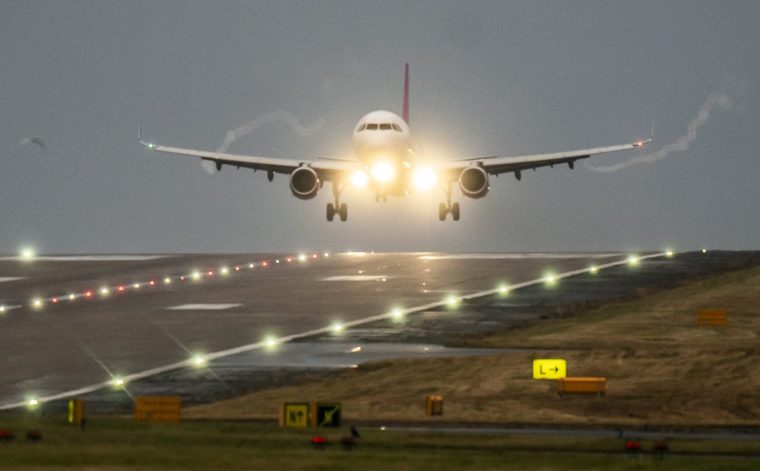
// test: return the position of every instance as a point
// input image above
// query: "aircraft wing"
(327, 169)
(495, 165)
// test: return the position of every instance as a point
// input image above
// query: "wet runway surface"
(216, 302)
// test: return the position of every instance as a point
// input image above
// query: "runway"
(217, 306)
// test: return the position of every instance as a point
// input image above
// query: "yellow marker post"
(549, 368)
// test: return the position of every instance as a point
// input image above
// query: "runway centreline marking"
(191, 362)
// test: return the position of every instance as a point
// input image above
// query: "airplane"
(387, 163)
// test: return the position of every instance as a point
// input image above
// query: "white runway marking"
(86, 258)
(189, 363)
(517, 256)
(357, 278)
(203, 307)
(5, 279)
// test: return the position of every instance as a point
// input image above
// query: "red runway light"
(120, 289)
(314, 256)
(152, 283)
(181, 278)
(55, 300)
(88, 294)
(264, 263)
(210, 273)
(237, 268)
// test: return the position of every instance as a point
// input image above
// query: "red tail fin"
(405, 113)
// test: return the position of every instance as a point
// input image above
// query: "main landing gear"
(341, 209)
(445, 208)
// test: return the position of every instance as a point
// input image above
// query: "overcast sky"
(503, 78)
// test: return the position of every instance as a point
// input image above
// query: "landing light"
(424, 178)
(382, 172)
(359, 179)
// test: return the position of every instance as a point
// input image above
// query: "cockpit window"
(371, 127)
(385, 127)
(396, 127)
(361, 127)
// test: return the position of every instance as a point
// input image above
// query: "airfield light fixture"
(704, 250)
(326, 254)
(196, 275)
(337, 327)
(593, 269)
(633, 260)
(397, 313)
(167, 281)
(550, 279)
(32, 403)
(670, 253)
(424, 178)
(2, 309)
(199, 361)
(224, 271)
(382, 171)
(503, 289)
(118, 382)
(359, 179)
(27, 254)
(301, 257)
(270, 342)
(72, 296)
(37, 303)
(136, 286)
(452, 301)
(250, 265)
(104, 291)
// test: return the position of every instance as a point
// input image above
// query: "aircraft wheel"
(442, 212)
(455, 211)
(330, 211)
(343, 211)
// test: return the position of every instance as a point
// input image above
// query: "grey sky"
(487, 78)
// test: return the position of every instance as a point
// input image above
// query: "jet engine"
(473, 181)
(304, 183)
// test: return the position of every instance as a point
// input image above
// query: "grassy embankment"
(662, 369)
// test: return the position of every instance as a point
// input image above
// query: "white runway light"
(593, 269)
(27, 254)
(337, 327)
(503, 289)
(32, 403)
(118, 382)
(199, 361)
(633, 260)
(550, 279)
(37, 303)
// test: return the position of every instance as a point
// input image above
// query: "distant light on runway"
(503, 289)
(250, 265)
(452, 301)
(104, 291)
(670, 253)
(72, 297)
(704, 250)
(550, 279)
(337, 327)
(593, 269)
(27, 254)
(301, 257)
(2, 309)
(270, 342)
(224, 271)
(136, 286)
(633, 260)
(37, 303)
(118, 382)
(199, 361)
(167, 281)
(196, 275)
(32, 403)
(397, 314)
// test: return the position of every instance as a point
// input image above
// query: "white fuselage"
(382, 143)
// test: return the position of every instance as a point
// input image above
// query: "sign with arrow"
(549, 368)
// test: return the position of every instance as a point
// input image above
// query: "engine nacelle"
(304, 183)
(473, 181)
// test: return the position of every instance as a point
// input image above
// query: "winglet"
(405, 109)
(139, 137)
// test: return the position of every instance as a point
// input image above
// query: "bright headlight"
(382, 172)
(424, 178)
(359, 179)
